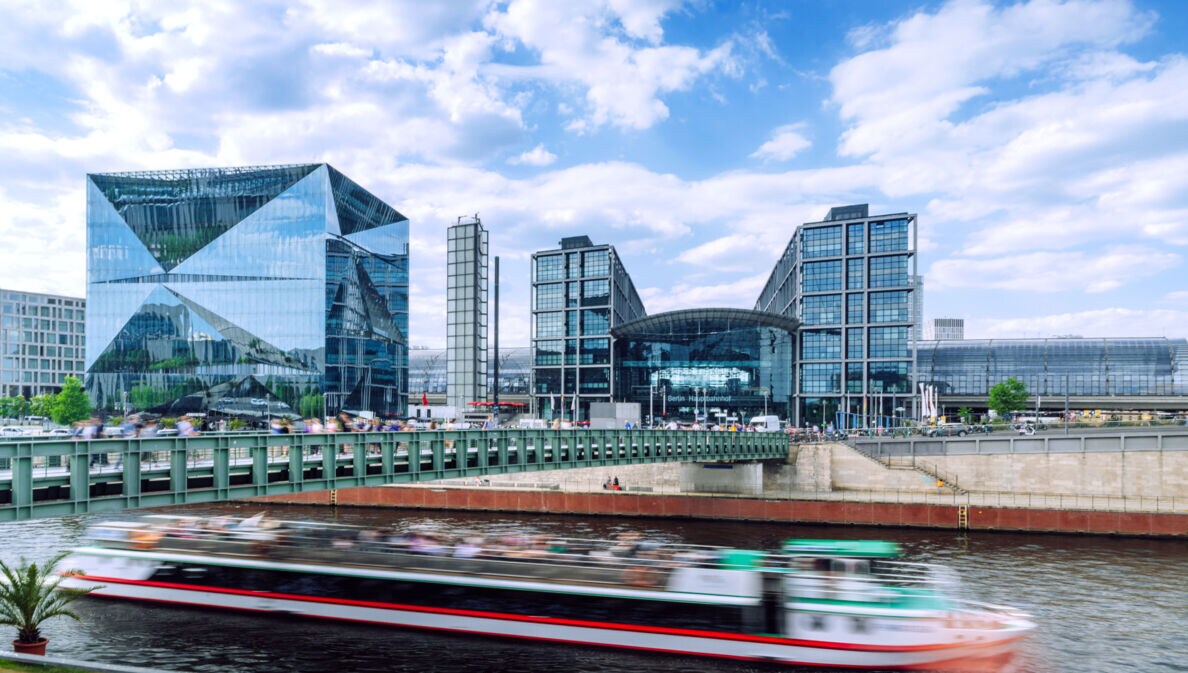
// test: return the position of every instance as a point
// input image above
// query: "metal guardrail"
(1171, 439)
(55, 477)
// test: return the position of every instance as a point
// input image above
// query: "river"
(1103, 605)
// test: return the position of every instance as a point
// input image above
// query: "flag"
(424, 400)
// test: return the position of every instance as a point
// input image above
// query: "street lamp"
(651, 405)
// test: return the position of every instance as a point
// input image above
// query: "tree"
(965, 414)
(42, 405)
(29, 595)
(72, 404)
(14, 407)
(1008, 396)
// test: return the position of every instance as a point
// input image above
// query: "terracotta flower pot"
(30, 648)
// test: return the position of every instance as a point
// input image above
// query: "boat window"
(860, 625)
(817, 622)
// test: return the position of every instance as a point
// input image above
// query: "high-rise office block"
(42, 340)
(948, 329)
(277, 290)
(466, 313)
(579, 292)
(848, 279)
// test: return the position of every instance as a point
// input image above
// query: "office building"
(579, 293)
(42, 340)
(254, 291)
(466, 313)
(848, 280)
(948, 329)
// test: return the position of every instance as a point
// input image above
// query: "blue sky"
(1043, 144)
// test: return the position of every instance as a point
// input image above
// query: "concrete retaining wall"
(749, 509)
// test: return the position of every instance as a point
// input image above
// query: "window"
(574, 265)
(856, 239)
(820, 344)
(888, 271)
(889, 236)
(890, 306)
(596, 351)
(573, 293)
(551, 267)
(595, 321)
(549, 296)
(822, 309)
(548, 353)
(889, 377)
(549, 324)
(854, 309)
(888, 342)
(855, 338)
(597, 262)
(854, 268)
(595, 292)
(821, 276)
(572, 328)
(820, 378)
(821, 242)
(854, 371)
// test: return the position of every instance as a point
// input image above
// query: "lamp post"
(651, 405)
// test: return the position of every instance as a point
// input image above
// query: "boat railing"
(629, 561)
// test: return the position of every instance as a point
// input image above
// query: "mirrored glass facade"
(849, 280)
(720, 362)
(1090, 371)
(580, 292)
(245, 291)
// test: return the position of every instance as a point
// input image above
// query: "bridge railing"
(55, 477)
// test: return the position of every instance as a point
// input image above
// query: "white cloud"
(537, 156)
(1098, 323)
(786, 142)
(578, 43)
(1048, 272)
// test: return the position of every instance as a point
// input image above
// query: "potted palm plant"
(29, 595)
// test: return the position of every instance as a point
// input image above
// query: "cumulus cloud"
(537, 156)
(1045, 272)
(785, 143)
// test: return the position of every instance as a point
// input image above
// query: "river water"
(1103, 605)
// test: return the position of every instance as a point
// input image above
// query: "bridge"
(42, 477)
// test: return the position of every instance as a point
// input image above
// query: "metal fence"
(54, 477)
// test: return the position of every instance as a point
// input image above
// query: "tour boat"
(836, 603)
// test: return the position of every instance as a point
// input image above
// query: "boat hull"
(627, 636)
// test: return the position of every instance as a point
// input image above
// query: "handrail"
(213, 467)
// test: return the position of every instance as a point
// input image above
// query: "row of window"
(888, 271)
(879, 377)
(572, 352)
(826, 344)
(573, 265)
(826, 241)
(587, 322)
(44, 311)
(49, 364)
(7, 376)
(551, 296)
(826, 309)
(585, 380)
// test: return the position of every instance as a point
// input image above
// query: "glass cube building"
(279, 290)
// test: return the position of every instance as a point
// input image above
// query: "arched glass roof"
(696, 322)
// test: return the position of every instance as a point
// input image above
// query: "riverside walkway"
(61, 476)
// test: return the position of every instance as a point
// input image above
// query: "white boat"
(830, 603)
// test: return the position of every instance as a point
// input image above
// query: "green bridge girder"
(44, 477)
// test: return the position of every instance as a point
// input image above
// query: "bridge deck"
(61, 476)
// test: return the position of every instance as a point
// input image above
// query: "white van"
(13, 431)
(765, 424)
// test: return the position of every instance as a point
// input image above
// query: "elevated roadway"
(42, 477)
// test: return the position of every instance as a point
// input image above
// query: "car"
(13, 431)
(948, 430)
(259, 402)
(59, 432)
